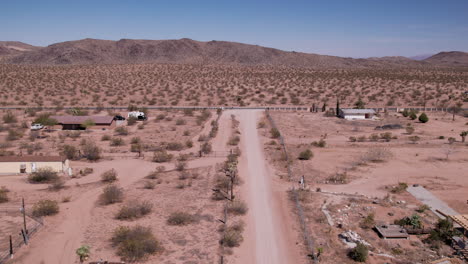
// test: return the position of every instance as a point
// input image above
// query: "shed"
(392, 231)
(76, 122)
(356, 114)
(28, 164)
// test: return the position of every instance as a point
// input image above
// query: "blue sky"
(349, 28)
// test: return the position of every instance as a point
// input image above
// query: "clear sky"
(349, 28)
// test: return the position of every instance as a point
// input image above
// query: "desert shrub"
(43, 175)
(413, 116)
(306, 154)
(405, 113)
(9, 118)
(186, 133)
(86, 171)
(57, 185)
(189, 143)
(162, 156)
(180, 218)
(443, 232)
(206, 148)
(359, 253)
(14, 135)
(401, 187)
(71, 152)
(180, 165)
(409, 130)
(451, 140)
(321, 143)
(105, 137)
(132, 120)
(149, 185)
(134, 210)
(152, 175)
(352, 139)
(368, 221)
(414, 139)
(180, 122)
(423, 118)
(203, 138)
(83, 253)
(135, 140)
(374, 137)
(91, 151)
(232, 236)
(4, 194)
(175, 146)
(387, 136)
(422, 208)
(111, 194)
(237, 207)
(377, 154)
(45, 207)
(135, 243)
(109, 176)
(274, 133)
(413, 221)
(121, 131)
(234, 140)
(117, 141)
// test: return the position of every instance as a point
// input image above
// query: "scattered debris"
(351, 239)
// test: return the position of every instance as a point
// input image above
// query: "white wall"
(351, 117)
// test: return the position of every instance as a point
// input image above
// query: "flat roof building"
(28, 164)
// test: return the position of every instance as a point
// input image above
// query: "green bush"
(134, 210)
(359, 253)
(135, 243)
(43, 175)
(180, 218)
(401, 187)
(45, 207)
(368, 222)
(413, 221)
(423, 118)
(306, 154)
(111, 194)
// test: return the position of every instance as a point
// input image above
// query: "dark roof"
(78, 120)
(32, 159)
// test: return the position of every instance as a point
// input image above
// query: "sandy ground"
(267, 238)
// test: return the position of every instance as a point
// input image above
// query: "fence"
(300, 211)
(17, 239)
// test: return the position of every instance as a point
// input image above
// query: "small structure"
(82, 122)
(356, 114)
(391, 232)
(28, 164)
(138, 115)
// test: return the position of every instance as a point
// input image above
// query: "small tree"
(306, 155)
(413, 115)
(463, 135)
(83, 253)
(91, 151)
(423, 118)
(455, 109)
(71, 152)
(360, 104)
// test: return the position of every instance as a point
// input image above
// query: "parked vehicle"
(138, 115)
(36, 126)
(119, 117)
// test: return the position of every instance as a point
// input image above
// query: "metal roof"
(350, 111)
(78, 120)
(32, 159)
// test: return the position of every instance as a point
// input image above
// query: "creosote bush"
(109, 176)
(91, 151)
(135, 243)
(162, 156)
(43, 175)
(359, 253)
(111, 194)
(45, 207)
(180, 218)
(4, 194)
(306, 154)
(232, 236)
(134, 210)
(237, 207)
(274, 133)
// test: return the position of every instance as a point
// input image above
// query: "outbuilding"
(83, 122)
(28, 164)
(356, 114)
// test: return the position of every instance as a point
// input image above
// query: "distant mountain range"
(187, 51)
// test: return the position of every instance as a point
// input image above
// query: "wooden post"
(24, 216)
(11, 248)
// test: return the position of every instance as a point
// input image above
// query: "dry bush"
(43, 175)
(91, 151)
(162, 156)
(180, 218)
(377, 154)
(149, 185)
(4, 194)
(117, 141)
(206, 148)
(57, 185)
(109, 176)
(111, 194)
(175, 146)
(134, 210)
(121, 131)
(135, 243)
(45, 207)
(71, 152)
(237, 207)
(232, 236)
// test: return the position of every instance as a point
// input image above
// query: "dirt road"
(267, 238)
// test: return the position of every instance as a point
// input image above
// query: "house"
(28, 164)
(78, 122)
(356, 114)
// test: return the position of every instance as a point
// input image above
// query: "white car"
(36, 126)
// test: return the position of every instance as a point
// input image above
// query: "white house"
(356, 114)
